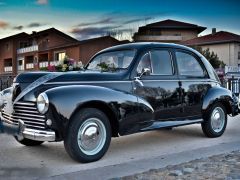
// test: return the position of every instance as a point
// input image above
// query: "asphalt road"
(126, 155)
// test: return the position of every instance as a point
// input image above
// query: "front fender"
(218, 94)
(66, 100)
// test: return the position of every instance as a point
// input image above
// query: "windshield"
(112, 61)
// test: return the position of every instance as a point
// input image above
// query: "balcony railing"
(43, 64)
(8, 68)
(27, 49)
(54, 63)
(157, 38)
(29, 66)
(21, 68)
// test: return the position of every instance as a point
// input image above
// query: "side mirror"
(145, 71)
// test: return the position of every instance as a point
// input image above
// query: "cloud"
(3, 24)
(89, 32)
(18, 27)
(31, 25)
(103, 21)
(137, 20)
(42, 2)
(34, 24)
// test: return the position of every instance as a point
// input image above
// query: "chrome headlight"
(42, 103)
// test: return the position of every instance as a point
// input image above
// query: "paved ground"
(221, 167)
(127, 155)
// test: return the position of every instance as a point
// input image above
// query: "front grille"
(28, 113)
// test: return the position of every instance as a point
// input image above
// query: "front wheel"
(215, 122)
(88, 136)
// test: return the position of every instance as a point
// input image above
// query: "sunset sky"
(84, 19)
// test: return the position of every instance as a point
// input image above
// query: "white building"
(225, 44)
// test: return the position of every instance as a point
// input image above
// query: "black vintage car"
(123, 90)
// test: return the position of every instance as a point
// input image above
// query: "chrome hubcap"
(217, 119)
(91, 136)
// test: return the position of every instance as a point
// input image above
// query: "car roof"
(142, 45)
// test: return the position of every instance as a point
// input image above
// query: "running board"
(166, 124)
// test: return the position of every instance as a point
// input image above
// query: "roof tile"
(219, 37)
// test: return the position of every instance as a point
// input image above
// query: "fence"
(6, 81)
(233, 84)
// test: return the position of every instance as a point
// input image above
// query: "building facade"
(225, 44)
(29, 52)
(167, 31)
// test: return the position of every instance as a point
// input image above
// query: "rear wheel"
(215, 122)
(28, 142)
(89, 135)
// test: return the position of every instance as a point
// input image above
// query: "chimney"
(34, 32)
(214, 30)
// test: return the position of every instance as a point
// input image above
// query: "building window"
(59, 56)
(20, 65)
(239, 55)
(8, 65)
(7, 47)
(29, 62)
(177, 34)
(23, 44)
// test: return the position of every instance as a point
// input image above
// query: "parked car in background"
(122, 90)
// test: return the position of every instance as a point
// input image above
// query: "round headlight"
(42, 103)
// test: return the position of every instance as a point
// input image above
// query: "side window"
(161, 62)
(158, 61)
(188, 65)
(144, 63)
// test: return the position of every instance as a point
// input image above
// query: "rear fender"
(218, 94)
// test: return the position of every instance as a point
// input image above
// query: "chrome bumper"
(22, 132)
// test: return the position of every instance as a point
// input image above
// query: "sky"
(85, 19)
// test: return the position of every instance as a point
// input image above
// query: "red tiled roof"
(23, 34)
(98, 38)
(219, 37)
(34, 34)
(52, 30)
(169, 23)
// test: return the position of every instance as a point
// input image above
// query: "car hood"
(30, 77)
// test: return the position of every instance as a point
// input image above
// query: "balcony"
(8, 69)
(27, 49)
(157, 38)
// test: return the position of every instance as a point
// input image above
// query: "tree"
(211, 57)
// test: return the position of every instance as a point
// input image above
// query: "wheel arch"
(108, 111)
(218, 95)
(227, 106)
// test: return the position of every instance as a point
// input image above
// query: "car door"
(194, 82)
(160, 87)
